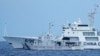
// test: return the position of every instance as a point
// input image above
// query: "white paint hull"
(21, 44)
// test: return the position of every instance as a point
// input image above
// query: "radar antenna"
(92, 14)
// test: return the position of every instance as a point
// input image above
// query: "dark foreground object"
(7, 50)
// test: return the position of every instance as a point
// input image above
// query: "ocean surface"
(7, 50)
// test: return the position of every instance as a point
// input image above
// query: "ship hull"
(21, 43)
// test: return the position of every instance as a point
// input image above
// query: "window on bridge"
(91, 39)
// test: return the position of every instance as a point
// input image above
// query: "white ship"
(75, 36)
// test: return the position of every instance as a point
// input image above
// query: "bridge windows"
(91, 38)
(88, 33)
(71, 39)
(84, 25)
(74, 39)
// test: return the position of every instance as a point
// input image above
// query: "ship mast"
(5, 30)
(92, 14)
(50, 26)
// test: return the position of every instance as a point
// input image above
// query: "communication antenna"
(66, 21)
(50, 26)
(92, 14)
(5, 30)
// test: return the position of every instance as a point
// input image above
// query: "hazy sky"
(31, 17)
